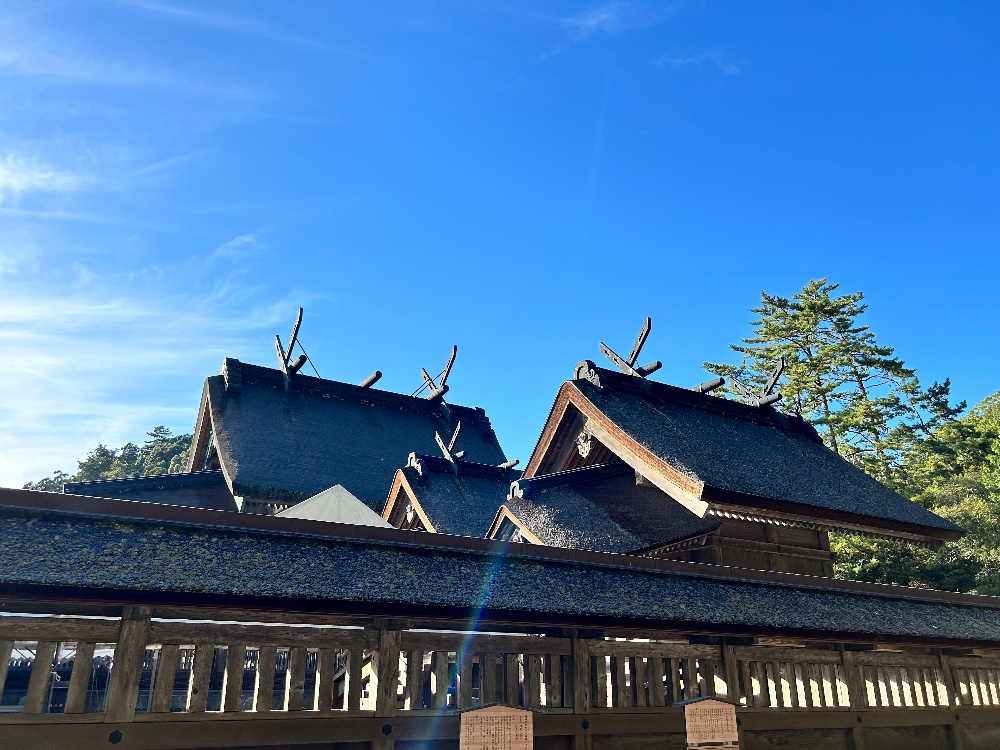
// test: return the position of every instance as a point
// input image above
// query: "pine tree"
(866, 403)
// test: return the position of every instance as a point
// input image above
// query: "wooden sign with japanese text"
(496, 728)
(711, 723)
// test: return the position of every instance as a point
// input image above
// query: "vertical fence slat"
(511, 679)
(232, 680)
(465, 679)
(440, 666)
(487, 678)
(747, 692)
(37, 697)
(601, 699)
(323, 696)
(79, 680)
(201, 671)
(532, 680)
(791, 679)
(415, 679)
(674, 681)
(263, 691)
(5, 648)
(126, 667)
(656, 681)
(581, 674)
(295, 678)
(166, 672)
(555, 696)
(355, 664)
(639, 680)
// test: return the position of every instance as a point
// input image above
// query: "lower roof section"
(95, 550)
(196, 489)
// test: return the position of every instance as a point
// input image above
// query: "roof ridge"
(464, 468)
(324, 386)
(766, 415)
(526, 487)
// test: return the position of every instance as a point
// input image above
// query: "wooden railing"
(141, 669)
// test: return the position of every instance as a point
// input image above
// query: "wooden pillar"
(856, 735)
(385, 669)
(126, 669)
(580, 650)
(953, 732)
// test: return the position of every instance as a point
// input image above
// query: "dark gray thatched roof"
(121, 551)
(463, 503)
(602, 509)
(752, 451)
(197, 489)
(287, 446)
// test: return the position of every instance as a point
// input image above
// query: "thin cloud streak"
(19, 175)
(715, 57)
(31, 61)
(235, 24)
(614, 18)
(95, 351)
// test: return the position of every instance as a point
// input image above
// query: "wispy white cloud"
(170, 164)
(45, 215)
(611, 18)
(20, 175)
(614, 18)
(106, 356)
(37, 57)
(714, 57)
(235, 24)
(239, 247)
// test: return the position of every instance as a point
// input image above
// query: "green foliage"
(872, 409)
(868, 405)
(163, 453)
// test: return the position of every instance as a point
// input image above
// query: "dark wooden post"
(854, 695)
(385, 668)
(953, 732)
(126, 670)
(580, 648)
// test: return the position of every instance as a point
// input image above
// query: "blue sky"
(520, 179)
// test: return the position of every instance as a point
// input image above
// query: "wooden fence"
(144, 671)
